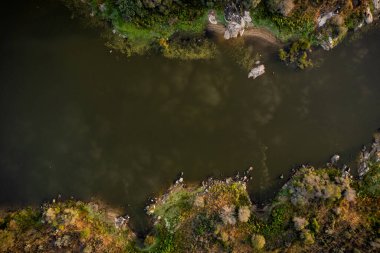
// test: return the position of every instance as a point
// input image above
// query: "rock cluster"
(328, 44)
(368, 155)
(236, 25)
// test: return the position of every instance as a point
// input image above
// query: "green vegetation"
(176, 29)
(64, 225)
(137, 27)
(297, 26)
(318, 210)
(189, 47)
(258, 242)
(370, 185)
(297, 54)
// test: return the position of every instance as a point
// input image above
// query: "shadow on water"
(79, 121)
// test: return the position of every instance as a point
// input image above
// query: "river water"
(80, 121)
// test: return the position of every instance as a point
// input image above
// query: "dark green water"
(80, 121)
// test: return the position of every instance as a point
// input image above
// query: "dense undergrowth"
(317, 210)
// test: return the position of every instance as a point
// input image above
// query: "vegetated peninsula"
(181, 29)
(317, 210)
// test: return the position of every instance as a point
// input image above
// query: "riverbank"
(178, 30)
(317, 210)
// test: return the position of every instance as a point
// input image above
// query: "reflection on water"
(79, 121)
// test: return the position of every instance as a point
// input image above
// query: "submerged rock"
(257, 71)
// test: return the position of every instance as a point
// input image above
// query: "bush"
(7, 240)
(315, 225)
(244, 214)
(284, 7)
(227, 215)
(258, 241)
(307, 237)
(300, 223)
(297, 54)
(190, 47)
(371, 182)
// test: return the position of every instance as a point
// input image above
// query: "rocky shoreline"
(317, 210)
(181, 30)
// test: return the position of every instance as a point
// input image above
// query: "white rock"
(227, 34)
(335, 159)
(212, 18)
(360, 25)
(120, 222)
(235, 29)
(257, 71)
(376, 4)
(247, 17)
(241, 32)
(329, 44)
(324, 18)
(368, 16)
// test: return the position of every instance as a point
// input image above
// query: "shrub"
(244, 214)
(307, 237)
(300, 223)
(227, 215)
(282, 54)
(315, 225)
(297, 54)
(284, 7)
(258, 241)
(7, 240)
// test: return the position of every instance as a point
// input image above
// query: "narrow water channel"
(80, 121)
